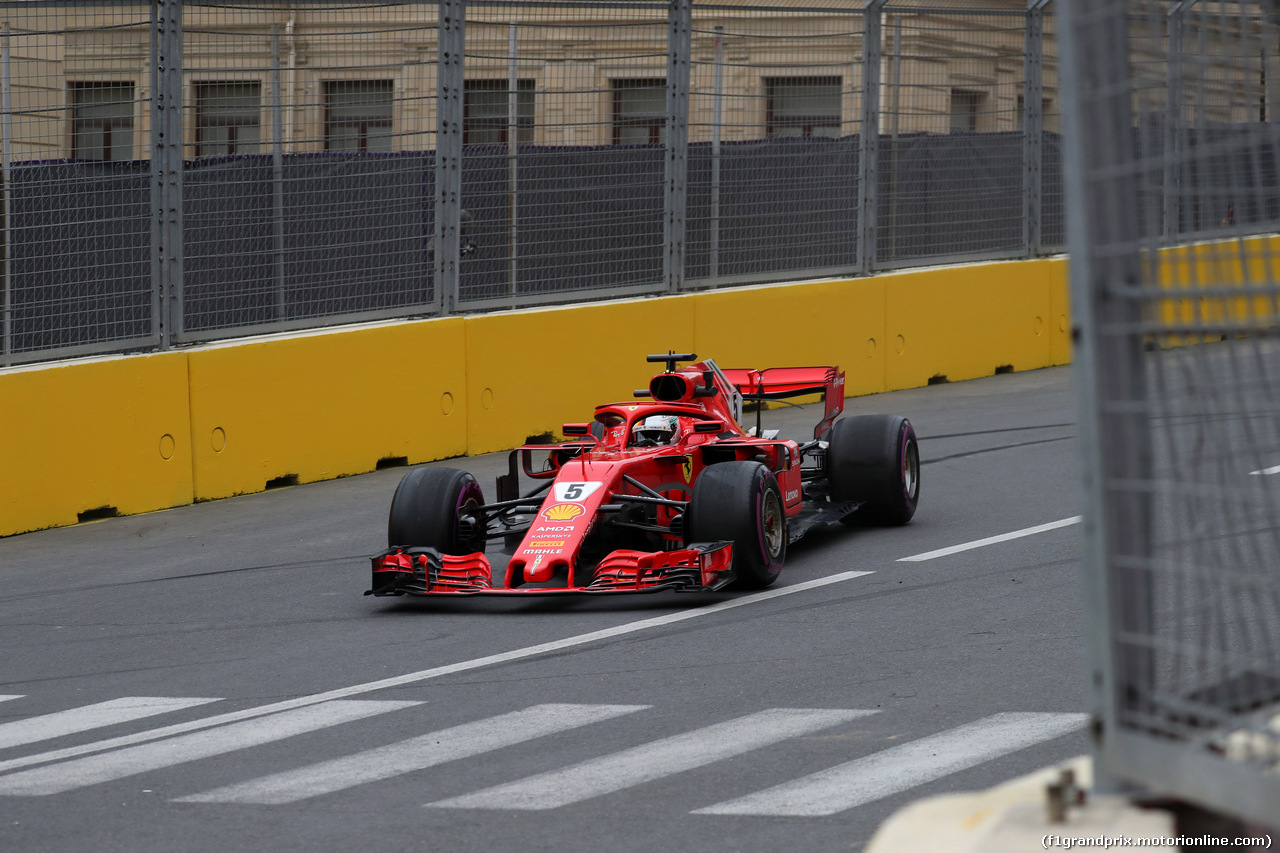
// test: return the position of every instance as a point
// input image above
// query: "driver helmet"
(655, 430)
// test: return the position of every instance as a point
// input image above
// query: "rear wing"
(781, 383)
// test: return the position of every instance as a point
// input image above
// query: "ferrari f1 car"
(672, 493)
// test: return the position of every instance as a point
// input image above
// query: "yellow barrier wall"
(325, 405)
(529, 372)
(966, 322)
(819, 323)
(81, 436)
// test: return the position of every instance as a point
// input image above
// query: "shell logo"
(562, 512)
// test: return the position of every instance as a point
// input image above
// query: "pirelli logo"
(547, 543)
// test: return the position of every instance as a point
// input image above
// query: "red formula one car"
(670, 493)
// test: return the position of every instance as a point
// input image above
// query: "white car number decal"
(575, 492)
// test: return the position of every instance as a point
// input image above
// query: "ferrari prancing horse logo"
(688, 469)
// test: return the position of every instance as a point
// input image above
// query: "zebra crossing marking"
(407, 756)
(899, 768)
(89, 717)
(427, 674)
(93, 769)
(651, 761)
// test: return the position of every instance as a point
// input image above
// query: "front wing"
(701, 567)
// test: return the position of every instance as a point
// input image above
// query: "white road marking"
(417, 753)
(1266, 472)
(652, 761)
(88, 717)
(992, 540)
(426, 674)
(902, 767)
(166, 753)
(7, 696)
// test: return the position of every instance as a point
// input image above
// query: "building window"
(227, 118)
(802, 106)
(102, 121)
(639, 112)
(357, 115)
(484, 110)
(1046, 112)
(964, 109)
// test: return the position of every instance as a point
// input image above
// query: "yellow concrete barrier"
(98, 437)
(970, 321)
(529, 372)
(144, 432)
(1203, 268)
(825, 322)
(323, 405)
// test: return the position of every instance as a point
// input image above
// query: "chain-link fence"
(184, 171)
(1170, 132)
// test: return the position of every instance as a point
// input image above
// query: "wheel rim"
(468, 499)
(771, 524)
(911, 470)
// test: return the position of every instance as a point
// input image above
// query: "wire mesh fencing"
(77, 267)
(308, 184)
(1170, 132)
(185, 170)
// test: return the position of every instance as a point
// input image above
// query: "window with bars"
(228, 118)
(485, 107)
(1046, 112)
(102, 121)
(357, 115)
(639, 112)
(802, 106)
(964, 109)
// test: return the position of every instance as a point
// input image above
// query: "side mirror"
(713, 427)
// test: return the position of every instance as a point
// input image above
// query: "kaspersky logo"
(562, 512)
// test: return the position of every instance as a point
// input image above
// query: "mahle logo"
(562, 512)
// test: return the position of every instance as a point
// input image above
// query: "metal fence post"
(448, 206)
(166, 170)
(869, 138)
(1032, 127)
(1173, 121)
(513, 132)
(1103, 240)
(277, 176)
(679, 45)
(6, 137)
(717, 116)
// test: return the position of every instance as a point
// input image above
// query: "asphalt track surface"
(210, 678)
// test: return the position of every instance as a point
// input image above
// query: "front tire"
(875, 461)
(425, 508)
(741, 502)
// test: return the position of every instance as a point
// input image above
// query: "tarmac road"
(210, 678)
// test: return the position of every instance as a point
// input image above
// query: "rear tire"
(424, 511)
(741, 502)
(875, 460)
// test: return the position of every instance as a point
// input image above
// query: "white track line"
(89, 717)
(7, 696)
(1266, 472)
(427, 674)
(902, 767)
(153, 756)
(407, 756)
(992, 540)
(652, 761)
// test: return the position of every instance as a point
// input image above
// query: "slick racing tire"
(741, 502)
(425, 508)
(875, 460)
